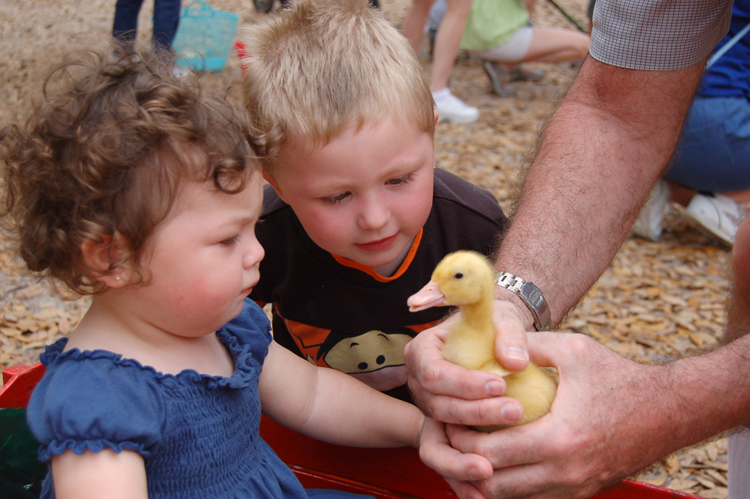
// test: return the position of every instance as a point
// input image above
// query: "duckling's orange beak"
(427, 297)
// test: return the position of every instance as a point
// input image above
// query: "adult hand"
(452, 394)
(609, 419)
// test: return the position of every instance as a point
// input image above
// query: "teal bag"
(204, 36)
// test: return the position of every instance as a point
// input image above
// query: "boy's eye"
(404, 179)
(337, 198)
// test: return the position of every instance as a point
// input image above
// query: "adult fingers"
(510, 343)
(514, 446)
(431, 375)
(436, 452)
(465, 490)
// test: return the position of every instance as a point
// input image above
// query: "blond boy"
(355, 215)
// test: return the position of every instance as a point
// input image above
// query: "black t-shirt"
(339, 314)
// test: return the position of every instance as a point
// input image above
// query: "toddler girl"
(131, 185)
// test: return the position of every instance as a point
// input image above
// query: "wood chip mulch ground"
(656, 300)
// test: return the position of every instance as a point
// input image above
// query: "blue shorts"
(714, 152)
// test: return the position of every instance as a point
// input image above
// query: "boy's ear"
(100, 256)
(437, 115)
(275, 185)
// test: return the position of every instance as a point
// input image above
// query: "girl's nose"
(253, 255)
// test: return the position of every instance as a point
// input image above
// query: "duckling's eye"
(458, 276)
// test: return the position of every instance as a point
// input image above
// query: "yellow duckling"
(466, 279)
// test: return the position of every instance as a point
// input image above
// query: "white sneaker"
(718, 216)
(648, 223)
(451, 108)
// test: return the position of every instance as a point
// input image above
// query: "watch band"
(530, 295)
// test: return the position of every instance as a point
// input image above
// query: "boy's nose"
(374, 216)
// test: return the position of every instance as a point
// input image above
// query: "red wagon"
(383, 473)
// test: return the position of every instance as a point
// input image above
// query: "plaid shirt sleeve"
(658, 35)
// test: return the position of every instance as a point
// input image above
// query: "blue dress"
(198, 434)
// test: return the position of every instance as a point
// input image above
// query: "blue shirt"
(198, 434)
(729, 76)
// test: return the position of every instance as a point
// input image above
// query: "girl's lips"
(249, 289)
(380, 245)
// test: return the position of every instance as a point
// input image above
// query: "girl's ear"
(100, 257)
(275, 186)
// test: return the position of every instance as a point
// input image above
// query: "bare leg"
(683, 195)
(738, 316)
(738, 324)
(447, 42)
(739, 196)
(680, 194)
(557, 45)
(413, 26)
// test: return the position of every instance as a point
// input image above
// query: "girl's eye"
(404, 179)
(231, 241)
(336, 199)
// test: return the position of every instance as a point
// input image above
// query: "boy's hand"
(458, 469)
(452, 394)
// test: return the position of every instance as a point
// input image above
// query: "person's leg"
(166, 20)
(447, 42)
(738, 324)
(711, 157)
(680, 194)
(556, 45)
(738, 312)
(126, 21)
(712, 153)
(501, 62)
(413, 25)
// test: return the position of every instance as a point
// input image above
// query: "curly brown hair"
(105, 153)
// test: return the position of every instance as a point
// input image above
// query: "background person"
(499, 34)
(447, 41)
(710, 173)
(166, 21)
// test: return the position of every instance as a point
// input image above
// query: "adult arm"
(604, 402)
(331, 406)
(599, 155)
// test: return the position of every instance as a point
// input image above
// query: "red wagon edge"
(382, 473)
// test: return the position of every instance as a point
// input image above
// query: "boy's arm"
(331, 406)
(104, 474)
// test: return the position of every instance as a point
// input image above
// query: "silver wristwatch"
(530, 294)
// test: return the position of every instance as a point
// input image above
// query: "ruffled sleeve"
(248, 335)
(89, 403)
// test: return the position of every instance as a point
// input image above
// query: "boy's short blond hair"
(322, 66)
